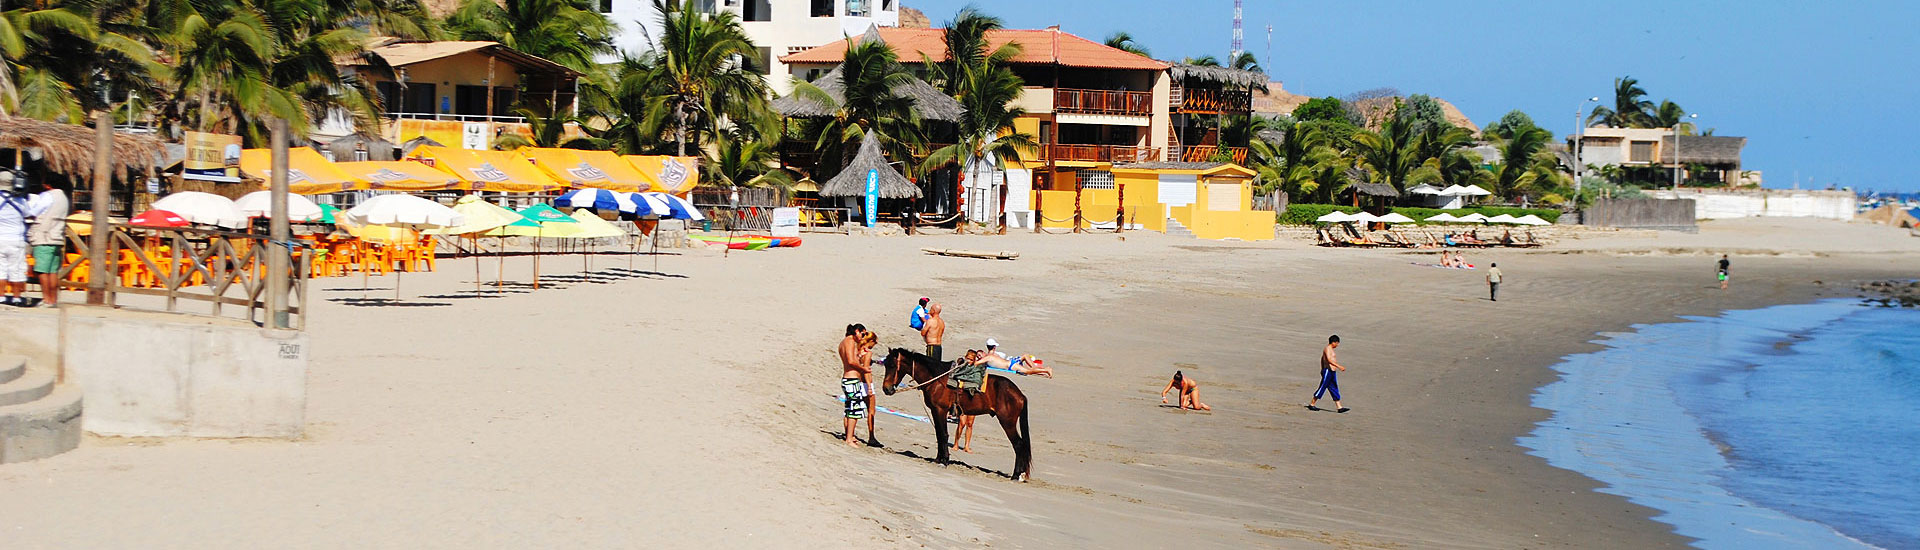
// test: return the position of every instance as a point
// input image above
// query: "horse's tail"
(1025, 433)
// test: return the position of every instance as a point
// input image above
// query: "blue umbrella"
(678, 208)
(599, 200)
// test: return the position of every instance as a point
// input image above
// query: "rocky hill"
(1277, 101)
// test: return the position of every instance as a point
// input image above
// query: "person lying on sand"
(1025, 365)
(1189, 393)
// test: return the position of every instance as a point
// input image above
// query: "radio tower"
(1236, 33)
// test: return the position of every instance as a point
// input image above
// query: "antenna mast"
(1237, 49)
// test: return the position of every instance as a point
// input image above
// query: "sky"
(1824, 92)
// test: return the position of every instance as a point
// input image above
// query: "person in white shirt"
(48, 237)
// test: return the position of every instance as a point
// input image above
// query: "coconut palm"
(745, 157)
(1124, 41)
(60, 57)
(1629, 110)
(1246, 62)
(1290, 163)
(693, 79)
(967, 52)
(986, 130)
(869, 75)
(1520, 156)
(572, 33)
(1670, 115)
(1202, 61)
(1392, 153)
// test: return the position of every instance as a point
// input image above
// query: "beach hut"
(869, 168)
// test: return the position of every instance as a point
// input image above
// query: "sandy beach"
(694, 406)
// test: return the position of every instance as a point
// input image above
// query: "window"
(822, 8)
(762, 61)
(857, 8)
(1641, 151)
(606, 6)
(756, 10)
(469, 100)
(420, 98)
(389, 96)
(1091, 179)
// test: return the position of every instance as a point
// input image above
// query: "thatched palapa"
(407, 147)
(852, 180)
(1223, 75)
(68, 149)
(1703, 149)
(343, 148)
(928, 101)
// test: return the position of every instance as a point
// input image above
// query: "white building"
(777, 27)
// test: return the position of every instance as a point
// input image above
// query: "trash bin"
(706, 224)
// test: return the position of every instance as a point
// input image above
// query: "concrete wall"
(1716, 204)
(1640, 213)
(154, 374)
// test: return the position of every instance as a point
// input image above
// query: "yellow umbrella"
(482, 216)
(667, 174)
(504, 171)
(308, 172)
(401, 175)
(597, 169)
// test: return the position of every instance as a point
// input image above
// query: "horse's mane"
(917, 356)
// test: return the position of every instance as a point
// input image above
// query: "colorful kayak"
(750, 242)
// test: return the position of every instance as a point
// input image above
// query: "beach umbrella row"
(1396, 217)
(647, 204)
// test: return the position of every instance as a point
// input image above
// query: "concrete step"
(33, 385)
(41, 428)
(1174, 228)
(11, 367)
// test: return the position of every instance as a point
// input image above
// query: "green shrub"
(1304, 214)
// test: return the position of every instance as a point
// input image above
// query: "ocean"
(1793, 426)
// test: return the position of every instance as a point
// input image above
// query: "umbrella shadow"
(461, 296)
(356, 289)
(643, 274)
(384, 302)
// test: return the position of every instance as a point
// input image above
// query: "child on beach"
(1189, 393)
(1329, 378)
(1723, 271)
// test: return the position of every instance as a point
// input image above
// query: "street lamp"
(1579, 124)
(1677, 165)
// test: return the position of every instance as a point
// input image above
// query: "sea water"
(1786, 427)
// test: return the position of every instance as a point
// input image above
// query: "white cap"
(992, 344)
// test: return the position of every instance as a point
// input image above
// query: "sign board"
(211, 157)
(873, 196)
(1223, 197)
(786, 222)
(473, 135)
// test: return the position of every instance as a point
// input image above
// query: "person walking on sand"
(1493, 282)
(1329, 377)
(1189, 393)
(855, 368)
(1723, 271)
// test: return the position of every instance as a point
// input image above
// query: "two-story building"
(1656, 148)
(1088, 105)
(459, 94)
(777, 27)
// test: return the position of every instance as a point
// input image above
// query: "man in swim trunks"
(1723, 271)
(855, 361)
(934, 330)
(1329, 381)
(1189, 393)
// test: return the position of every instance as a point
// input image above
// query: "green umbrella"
(545, 216)
(327, 212)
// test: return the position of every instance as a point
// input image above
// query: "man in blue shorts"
(1329, 376)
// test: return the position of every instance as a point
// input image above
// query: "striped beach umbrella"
(600, 200)
(677, 208)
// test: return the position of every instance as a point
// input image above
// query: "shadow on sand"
(952, 461)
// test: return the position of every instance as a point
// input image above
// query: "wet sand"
(695, 406)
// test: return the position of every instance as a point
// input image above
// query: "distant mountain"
(913, 19)
(1278, 101)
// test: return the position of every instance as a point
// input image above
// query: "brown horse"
(1001, 398)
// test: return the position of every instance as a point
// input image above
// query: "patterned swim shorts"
(855, 392)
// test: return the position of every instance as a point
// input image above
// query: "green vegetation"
(980, 79)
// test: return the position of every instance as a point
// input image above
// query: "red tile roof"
(1040, 47)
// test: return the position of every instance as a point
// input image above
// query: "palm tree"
(60, 57)
(1124, 41)
(1392, 153)
(572, 33)
(967, 53)
(1629, 110)
(1519, 158)
(694, 79)
(550, 130)
(1202, 61)
(986, 88)
(869, 74)
(1290, 164)
(745, 158)
(1670, 115)
(1246, 62)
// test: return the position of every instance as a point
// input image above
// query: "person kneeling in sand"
(1189, 393)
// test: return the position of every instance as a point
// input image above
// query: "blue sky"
(1824, 90)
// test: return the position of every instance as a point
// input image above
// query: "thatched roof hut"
(852, 180)
(407, 147)
(930, 102)
(1704, 149)
(68, 148)
(1223, 75)
(343, 148)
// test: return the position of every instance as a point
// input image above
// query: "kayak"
(783, 242)
(750, 242)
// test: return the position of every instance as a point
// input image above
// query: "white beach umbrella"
(203, 208)
(1475, 190)
(1443, 217)
(1452, 191)
(1334, 217)
(402, 209)
(1475, 217)
(1363, 217)
(1531, 219)
(1394, 217)
(1424, 189)
(259, 204)
(1503, 218)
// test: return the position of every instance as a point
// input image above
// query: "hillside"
(1278, 101)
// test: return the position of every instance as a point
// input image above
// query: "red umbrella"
(159, 218)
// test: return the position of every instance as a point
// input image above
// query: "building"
(1090, 106)
(459, 94)
(1655, 148)
(778, 27)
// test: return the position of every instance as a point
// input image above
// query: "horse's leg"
(1011, 423)
(938, 412)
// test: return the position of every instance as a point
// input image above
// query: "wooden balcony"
(1102, 102)
(1204, 153)
(1102, 153)
(1212, 101)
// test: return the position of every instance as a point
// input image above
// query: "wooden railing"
(218, 268)
(1103, 153)
(1204, 153)
(1213, 101)
(1102, 102)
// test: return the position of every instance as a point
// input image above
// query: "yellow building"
(460, 94)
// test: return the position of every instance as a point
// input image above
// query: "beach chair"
(1323, 237)
(1389, 238)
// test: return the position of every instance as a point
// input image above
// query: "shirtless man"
(1329, 382)
(1189, 393)
(935, 329)
(855, 368)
